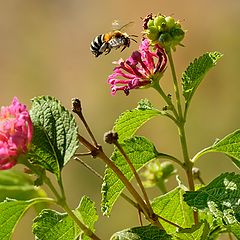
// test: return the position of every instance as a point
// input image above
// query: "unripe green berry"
(159, 21)
(167, 169)
(165, 39)
(150, 23)
(177, 34)
(152, 33)
(170, 22)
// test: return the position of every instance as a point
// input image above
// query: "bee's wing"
(116, 25)
(125, 25)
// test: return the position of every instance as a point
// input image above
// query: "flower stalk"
(181, 130)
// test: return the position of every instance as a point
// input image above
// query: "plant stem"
(128, 185)
(149, 216)
(175, 83)
(135, 174)
(85, 229)
(157, 87)
(181, 130)
(124, 196)
(77, 108)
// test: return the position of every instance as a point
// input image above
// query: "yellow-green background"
(44, 50)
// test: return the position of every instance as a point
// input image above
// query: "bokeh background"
(44, 50)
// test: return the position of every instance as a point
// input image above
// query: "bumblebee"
(104, 43)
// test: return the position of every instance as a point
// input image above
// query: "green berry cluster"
(157, 174)
(163, 30)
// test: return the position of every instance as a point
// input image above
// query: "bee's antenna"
(126, 25)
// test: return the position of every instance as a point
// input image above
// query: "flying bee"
(104, 43)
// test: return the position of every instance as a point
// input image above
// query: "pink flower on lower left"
(15, 133)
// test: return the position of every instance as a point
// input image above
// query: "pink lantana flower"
(140, 70)
(15, 133)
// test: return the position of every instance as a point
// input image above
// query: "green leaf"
(140, 151)
(221, 197)
(18, 185)
(55, 137)
(197, 232)
(87, 212)
(142, 233)
(130, 121)
(230, 145)
(11, 213)
(50, 224)
(196, 71)
(172, 207)
(235, 229)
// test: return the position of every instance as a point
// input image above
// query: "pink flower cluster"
(15, 133)
(139, 70)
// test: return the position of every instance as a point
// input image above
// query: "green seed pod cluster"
(163, 30)
(157, 174)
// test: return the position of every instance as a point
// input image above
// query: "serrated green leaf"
(140, 151)
(55, 137)
(142, 233)
(221, 197)
(196, 71)
(172, 207)
(52, 225)
(18, 185)
(11, 213)
(87, 212)
(230, 145)
(235, 229)
(130, 121)
(196, 232)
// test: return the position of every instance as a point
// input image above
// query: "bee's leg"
(107, 51)
(123, 48)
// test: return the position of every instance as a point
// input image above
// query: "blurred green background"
(44, 50)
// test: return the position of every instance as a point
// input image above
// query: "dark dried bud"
(146, 20)
(110, 137)
(76, 105)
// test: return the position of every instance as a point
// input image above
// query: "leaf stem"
(199, 154)
(158, 88)
(166, 156)
(85, 229)
(52, 188)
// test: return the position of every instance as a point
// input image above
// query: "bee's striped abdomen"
(97, 44)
